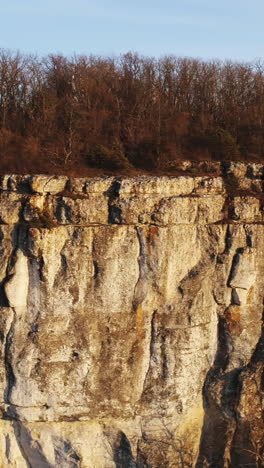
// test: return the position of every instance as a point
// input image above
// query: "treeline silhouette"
(61, 114)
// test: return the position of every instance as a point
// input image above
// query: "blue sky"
(199, 28)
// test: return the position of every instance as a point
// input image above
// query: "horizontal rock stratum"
(131, 321)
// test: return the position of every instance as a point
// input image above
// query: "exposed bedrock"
(131, 313)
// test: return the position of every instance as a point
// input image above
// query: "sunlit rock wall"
(131, 321)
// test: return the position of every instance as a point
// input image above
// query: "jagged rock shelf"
(131, 321)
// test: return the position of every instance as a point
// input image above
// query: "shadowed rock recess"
(131, 321)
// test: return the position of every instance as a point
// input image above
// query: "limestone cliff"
(131, 321)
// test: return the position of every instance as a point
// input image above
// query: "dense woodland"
(127, 113)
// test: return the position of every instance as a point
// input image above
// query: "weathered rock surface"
(131, 315)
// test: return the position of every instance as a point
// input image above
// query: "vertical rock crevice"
(9, 373)
(114, 211)
(122, 453)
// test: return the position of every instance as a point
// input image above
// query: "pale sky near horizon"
(197, 28)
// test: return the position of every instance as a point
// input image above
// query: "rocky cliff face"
(131, 321)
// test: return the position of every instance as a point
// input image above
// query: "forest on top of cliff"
(88, 114)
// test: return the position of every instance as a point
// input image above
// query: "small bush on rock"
(102, 157)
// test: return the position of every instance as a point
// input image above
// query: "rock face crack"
(123, 456)
(221, 394)
(114, 211)
(152, 344)
(228, 240)
(140, 287)
(10, 376)
(63, 211)
(30, 449)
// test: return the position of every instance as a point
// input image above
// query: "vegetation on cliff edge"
(81, 114)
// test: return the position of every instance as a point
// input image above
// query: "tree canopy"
(81, 113)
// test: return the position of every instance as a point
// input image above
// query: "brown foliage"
(55, 112)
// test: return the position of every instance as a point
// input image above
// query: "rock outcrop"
(131, 321)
